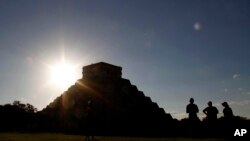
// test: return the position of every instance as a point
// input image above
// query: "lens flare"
(63, 75)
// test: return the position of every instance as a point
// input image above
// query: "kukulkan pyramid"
(119, 108)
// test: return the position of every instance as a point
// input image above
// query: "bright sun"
(63, 75)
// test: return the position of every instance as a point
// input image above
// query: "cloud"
(197, 26)
(29, 60)
(234, 103)
(179, 115)
(239, 103)
(235, 76)
(148, 43)
(225, 90)
(149, 38)
(240, 89)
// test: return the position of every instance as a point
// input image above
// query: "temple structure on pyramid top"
(102, 70)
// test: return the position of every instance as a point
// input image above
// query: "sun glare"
(63, 75)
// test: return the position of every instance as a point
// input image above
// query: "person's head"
(191, 100)
(209, 103)
(224, 104)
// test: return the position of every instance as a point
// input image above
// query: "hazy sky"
(170, 49)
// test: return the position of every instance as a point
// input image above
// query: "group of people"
(210, 111)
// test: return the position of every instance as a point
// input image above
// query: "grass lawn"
(62, 137)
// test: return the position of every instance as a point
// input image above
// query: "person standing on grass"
(192, 110)
(211, 112)
(89, 119)
(227, 111)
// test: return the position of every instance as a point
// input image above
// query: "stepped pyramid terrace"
(119, 108)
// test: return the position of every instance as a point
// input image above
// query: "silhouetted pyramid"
(118, 106)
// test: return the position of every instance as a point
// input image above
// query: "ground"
(62, 137)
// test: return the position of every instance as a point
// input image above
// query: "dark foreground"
(62, 137)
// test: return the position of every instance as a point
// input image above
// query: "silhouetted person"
(227, 111)
(89, 122)
(192, 110)
(211, 112)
